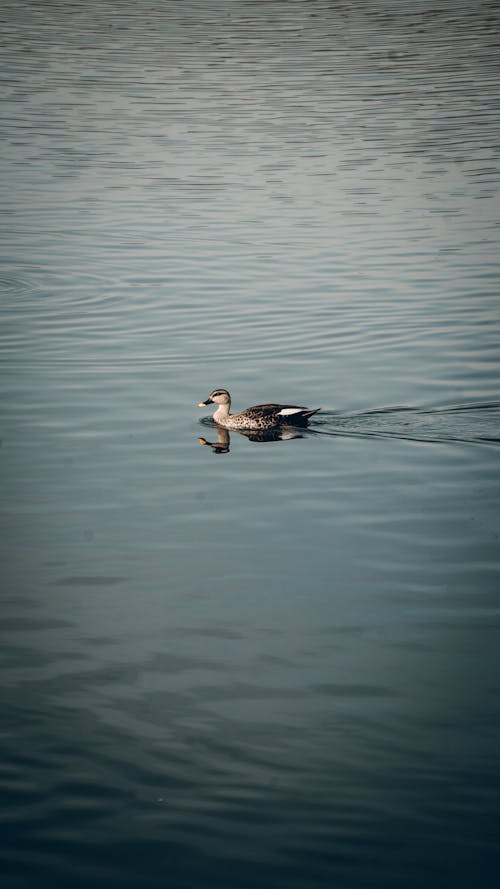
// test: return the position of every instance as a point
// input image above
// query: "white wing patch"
(286, 411)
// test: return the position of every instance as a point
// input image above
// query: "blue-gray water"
(277, 665)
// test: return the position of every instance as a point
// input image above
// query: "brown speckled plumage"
(260, 416)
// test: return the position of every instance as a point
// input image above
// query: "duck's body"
(260, 416)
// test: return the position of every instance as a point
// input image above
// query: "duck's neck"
(222, 412)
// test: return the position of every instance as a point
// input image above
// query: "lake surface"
(270, 663)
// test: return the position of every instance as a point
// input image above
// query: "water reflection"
(222, 445)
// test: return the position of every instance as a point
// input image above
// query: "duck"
(260, 416)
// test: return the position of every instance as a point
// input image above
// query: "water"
(263, 663)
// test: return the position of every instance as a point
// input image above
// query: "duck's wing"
(260, 411)
(280, 412)
(306, 412)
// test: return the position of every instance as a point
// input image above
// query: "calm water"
(272, 663)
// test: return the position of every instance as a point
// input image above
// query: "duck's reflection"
(222, 445)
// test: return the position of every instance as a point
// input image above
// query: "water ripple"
(477, 423)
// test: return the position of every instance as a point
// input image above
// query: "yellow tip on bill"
(201, 404)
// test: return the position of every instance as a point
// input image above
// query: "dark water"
(269, 663)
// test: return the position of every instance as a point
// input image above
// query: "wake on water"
(472, 422)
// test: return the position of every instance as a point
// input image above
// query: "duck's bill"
(205, 403)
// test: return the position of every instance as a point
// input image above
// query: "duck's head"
(218, 396)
